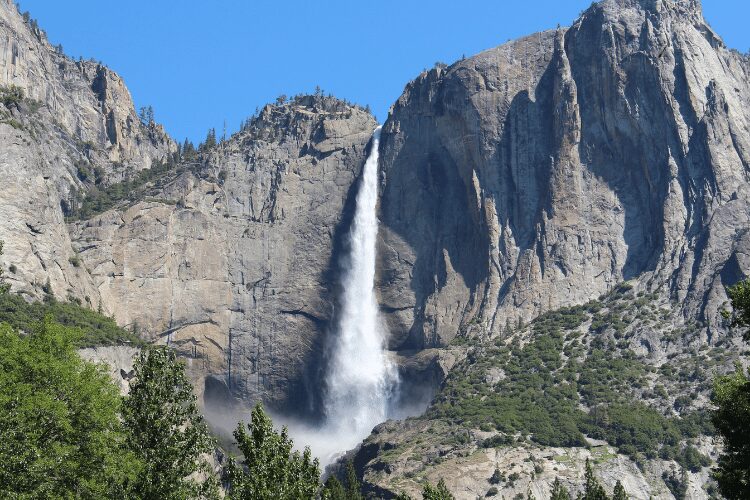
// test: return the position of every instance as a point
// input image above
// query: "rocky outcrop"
(507, 472)
(73, 117)
(118, 360)
(233, 265)
(543, 172)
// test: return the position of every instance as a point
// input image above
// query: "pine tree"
(353, 488)
(270, 468)
(146, 115)
(732, 416)
(559, 492)
(439, 492)
(210, 141)
(188, 150)
(619, 493)
(593, 490)
(333, 490)
(165, 429)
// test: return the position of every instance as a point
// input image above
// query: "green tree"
(619, 493)
(593, 490)
(60, 435)
(270, 469)
(732, 415)
(146, 115)
(739, 294)
(559, 492)
(353, 488)
(732, 421)
(166, 430)
(439, 492)
(210, 140)
(333, 490)
(403, 496)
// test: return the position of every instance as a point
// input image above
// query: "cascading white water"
(360, 377)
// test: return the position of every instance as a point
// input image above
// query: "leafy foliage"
(732, 420)
(11, 95)
(166, 430)
(740, 297)
(96, 328)
(270, 468)
(732, 416)
(60, 435)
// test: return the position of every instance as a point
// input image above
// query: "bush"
(96, 329)
(11, 95)
(556, 400)
(98, 198)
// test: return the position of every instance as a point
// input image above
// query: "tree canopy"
(270, 468)
(60, 435)
(732, 416)
(166, 430)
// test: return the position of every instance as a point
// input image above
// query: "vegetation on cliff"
(559, 386)
(96, 329)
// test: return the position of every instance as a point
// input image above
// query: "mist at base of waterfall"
(327, 442)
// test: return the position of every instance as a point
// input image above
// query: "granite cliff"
(72, 117)
(234, 258)
(542, 174)
(545, 171)
(537, 175)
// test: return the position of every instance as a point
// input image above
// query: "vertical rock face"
(75, 116)
(234, 266)
(542, 172)
(533, 175)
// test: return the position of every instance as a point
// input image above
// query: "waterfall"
(360, 378)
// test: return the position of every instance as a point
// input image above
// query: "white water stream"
(360, 377)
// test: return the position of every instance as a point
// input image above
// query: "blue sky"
(201, 63)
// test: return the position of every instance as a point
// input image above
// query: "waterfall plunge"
(360, 376)
(360, 379)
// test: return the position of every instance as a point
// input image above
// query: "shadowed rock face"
(542, 172)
